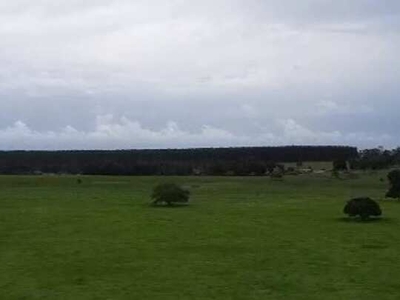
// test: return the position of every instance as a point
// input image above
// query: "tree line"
(199, 161)
(376, 159)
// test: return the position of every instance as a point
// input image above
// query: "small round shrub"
(278, 172)
(339, 165)
(169, 193)
(394, 179)
(363, 207)
(335, 174)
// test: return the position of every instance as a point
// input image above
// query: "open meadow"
(239, 238)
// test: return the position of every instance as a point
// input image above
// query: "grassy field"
(240, 238)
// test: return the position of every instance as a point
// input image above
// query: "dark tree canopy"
(201, 161)
(169, 193)
(363, 207)
(376, 159)
(394, 179)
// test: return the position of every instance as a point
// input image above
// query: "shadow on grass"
(358, 220)
(166, 206)
(377, 246)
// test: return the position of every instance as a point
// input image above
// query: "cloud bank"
(123, 133)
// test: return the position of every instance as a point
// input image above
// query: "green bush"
(339, 165)
(363, 207)
(394, 179)
(169, 194)
(335, 174)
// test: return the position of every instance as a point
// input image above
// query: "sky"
(124, 74)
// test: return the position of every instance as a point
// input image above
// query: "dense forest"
(377, 158)
(201, 161)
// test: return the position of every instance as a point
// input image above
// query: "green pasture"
(239, 238)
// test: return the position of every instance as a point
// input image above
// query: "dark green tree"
(169, 193)
(363, 207)
(394, 180)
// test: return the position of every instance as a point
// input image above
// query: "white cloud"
(332, 107)
(299, 134)
(111, 133)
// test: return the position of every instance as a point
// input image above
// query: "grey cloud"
(241, 67)
(307, 11)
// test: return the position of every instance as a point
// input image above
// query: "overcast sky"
(98, 74)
